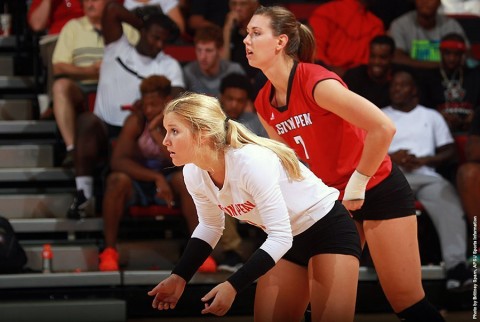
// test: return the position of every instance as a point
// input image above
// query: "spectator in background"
(236, 94)
(123, 67)
(206, 13)
(170, 8)
(203, 76)
(142, 171)
(422, 143)
(417, 34)
(468, 175)
(372, 80)
(453, 88)
(343, 30)
(50, 16)
(76, 64)
(388, 11)
(235, 30)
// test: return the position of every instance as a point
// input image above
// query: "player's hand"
(223, 296)
(353, 204)
(167, 292)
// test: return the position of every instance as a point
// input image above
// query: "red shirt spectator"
(61, 11)
(343, 30)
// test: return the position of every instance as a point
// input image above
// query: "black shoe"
(459, 278)
(231, 263)
(81, 207)
(68, 161)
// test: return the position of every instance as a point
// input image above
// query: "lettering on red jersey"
(237, 209)
(293, 123)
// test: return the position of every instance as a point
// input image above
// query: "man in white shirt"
(123, 68)
(422, 143)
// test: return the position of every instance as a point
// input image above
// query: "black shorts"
(391, 198)
(335, 233)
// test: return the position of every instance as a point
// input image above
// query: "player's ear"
(282, 41)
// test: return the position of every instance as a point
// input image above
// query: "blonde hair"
(301, 42)
(207, 119)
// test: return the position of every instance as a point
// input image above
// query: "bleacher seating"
(35, 194)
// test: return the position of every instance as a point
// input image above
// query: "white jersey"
(117, 86)
(258, 191)
(420, 131)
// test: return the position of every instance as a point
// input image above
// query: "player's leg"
(282, 294)
(333, 287)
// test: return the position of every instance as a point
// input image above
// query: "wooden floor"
(458, 316)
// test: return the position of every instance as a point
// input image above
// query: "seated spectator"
(421, 143)
(235, 98)
(170, 8)
(76, 64)
(123, 67)
(343, 30)
(50, 16)
(372, 80)
(388, 11)
(453, 88)
(142, 171)
(417, 34)
(468, 175)
(235, 30)
(205, 13)
(203, 76)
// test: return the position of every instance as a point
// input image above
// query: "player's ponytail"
(208, 121)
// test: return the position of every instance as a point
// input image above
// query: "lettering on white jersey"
(237, 209)
(293, 123)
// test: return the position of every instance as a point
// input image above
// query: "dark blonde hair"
(208, 120)
(301, 42)
(209, 33)
(156, 84)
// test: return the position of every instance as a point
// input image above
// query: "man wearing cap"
(452, 88)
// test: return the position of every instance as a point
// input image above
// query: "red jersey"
(61, 12)
(331, 146)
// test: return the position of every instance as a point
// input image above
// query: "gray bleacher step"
(8, 41)
(17, 82)
(16, 109)
(26, 156)
(366, 274)
(70, 279)
(27, 127)
(87, 310)
(35, 205)
(430, 272)
(66, 258)
(36, 174)
(45, 225)
(6, 65)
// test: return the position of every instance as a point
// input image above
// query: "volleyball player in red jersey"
(344, 139)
